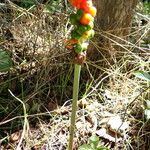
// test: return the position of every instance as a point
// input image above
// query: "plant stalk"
(77, 71)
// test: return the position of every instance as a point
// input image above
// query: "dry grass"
(44, 67)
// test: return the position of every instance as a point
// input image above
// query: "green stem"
(74, 104)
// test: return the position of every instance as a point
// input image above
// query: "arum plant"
(83, 22)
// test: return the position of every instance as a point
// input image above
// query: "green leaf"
(85, 147)
(26, 3)
(146, 7)
(94, 140)
(102, 148)
(147, 113)
(148, 104)
(5, 61)
(143, 75)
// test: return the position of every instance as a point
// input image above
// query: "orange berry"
(73, 41)
(75, 3)
(85, 5)
(69, 46)
(70, 43)
(86, 19)
(92, 10)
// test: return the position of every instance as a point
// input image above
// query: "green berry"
(79, 14)
(75, 35)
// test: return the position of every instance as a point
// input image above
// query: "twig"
(25, 126)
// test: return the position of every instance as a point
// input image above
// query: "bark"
(115, 14)
(113, 17)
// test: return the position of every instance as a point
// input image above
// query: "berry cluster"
(83, 21)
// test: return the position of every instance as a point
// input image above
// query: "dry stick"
(77, 71)
(25, 126)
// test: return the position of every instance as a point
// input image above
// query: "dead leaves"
(113, 129)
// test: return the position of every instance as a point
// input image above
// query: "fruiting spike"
(83, 31)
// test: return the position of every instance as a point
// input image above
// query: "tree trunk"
(113, 19)
(115, 14)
